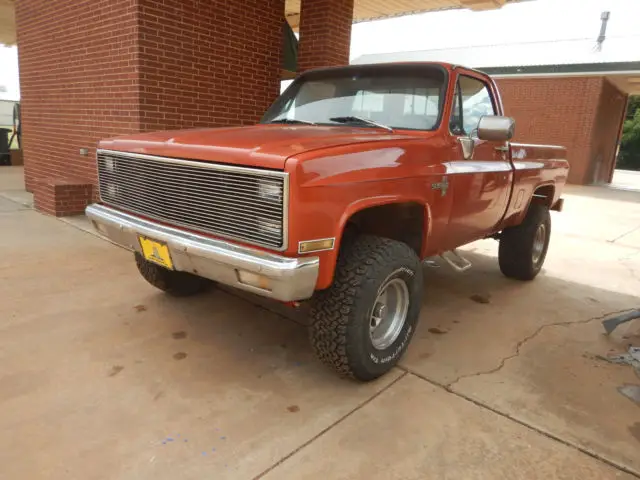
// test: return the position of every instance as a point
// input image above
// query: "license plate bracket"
(156, 252)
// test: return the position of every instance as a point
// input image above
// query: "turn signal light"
(254, 280)
(316, 245)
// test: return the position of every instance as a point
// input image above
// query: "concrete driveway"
(103, 377)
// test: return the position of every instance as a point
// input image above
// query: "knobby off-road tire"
(341, 316)
(178, 284)
(523, 248)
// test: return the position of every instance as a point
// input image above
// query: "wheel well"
(544, 195)
(403, 222)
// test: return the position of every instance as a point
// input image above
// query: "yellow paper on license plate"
(156, 252)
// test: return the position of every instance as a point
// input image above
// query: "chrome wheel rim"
(389, 313)
(539, 241)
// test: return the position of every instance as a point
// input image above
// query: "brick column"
(208, 63)
(78, 83)
(96, 69)
(325, 33)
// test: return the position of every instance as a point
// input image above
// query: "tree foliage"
(629, 156)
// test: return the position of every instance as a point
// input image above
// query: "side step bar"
(457, 261)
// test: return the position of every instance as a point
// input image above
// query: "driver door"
(481, 184)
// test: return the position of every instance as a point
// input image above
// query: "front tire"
(523, 248)
(363, 323)
(173, 282)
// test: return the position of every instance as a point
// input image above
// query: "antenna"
(604, 16)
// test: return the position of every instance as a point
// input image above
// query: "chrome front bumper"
(283, 278)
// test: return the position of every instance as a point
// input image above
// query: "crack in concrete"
(568, 443)
(624, 234)
(631, 271)
(338, 421)
(526, 339)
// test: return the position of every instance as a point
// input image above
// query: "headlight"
(270, 190)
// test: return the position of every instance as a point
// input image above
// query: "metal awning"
(7, 22)
(559, 58)
(364, 10)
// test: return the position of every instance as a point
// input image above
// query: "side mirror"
(496, 128)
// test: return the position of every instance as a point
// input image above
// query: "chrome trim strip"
(285, 212)
(291, 278)
(527, 165)
(533, 145)
(219, 167)
(197, 163)
(472, 166)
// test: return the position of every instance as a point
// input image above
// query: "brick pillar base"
(325, 33)
(62, 197)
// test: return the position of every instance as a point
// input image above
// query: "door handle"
(503, 149)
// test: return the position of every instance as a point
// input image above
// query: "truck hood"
(266, 146)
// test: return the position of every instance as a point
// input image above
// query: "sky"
(9, 88)
(528, 21)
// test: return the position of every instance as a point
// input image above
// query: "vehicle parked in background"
(353, 177)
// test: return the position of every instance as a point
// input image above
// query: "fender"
(365, 203)
(518, 217)
(329, 258)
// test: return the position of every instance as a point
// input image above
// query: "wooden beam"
(482, 4)
(7, 22)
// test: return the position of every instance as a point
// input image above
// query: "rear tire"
(523, 248)
(363, 323)
(173, 282)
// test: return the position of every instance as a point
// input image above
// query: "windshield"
(398, 98)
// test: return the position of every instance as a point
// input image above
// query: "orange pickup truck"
(352, 178)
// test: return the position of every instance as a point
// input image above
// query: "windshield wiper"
(354, 119)
(292, 120)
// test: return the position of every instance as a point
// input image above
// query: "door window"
(472, 101)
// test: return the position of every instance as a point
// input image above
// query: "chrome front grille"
(245, 204)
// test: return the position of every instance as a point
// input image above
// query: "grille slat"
(175, 173)
(218, 199)
(236, 208)
(221, 217)
(253, 238)
(230, 198)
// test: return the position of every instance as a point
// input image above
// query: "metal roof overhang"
(614, 58)
(364, 10)
(625, 75)
(7, 22)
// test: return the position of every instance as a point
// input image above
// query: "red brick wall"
(78, 81)
(581, 113)
(556, 111)
(325, 33)
(95, 69)
(208, 63)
